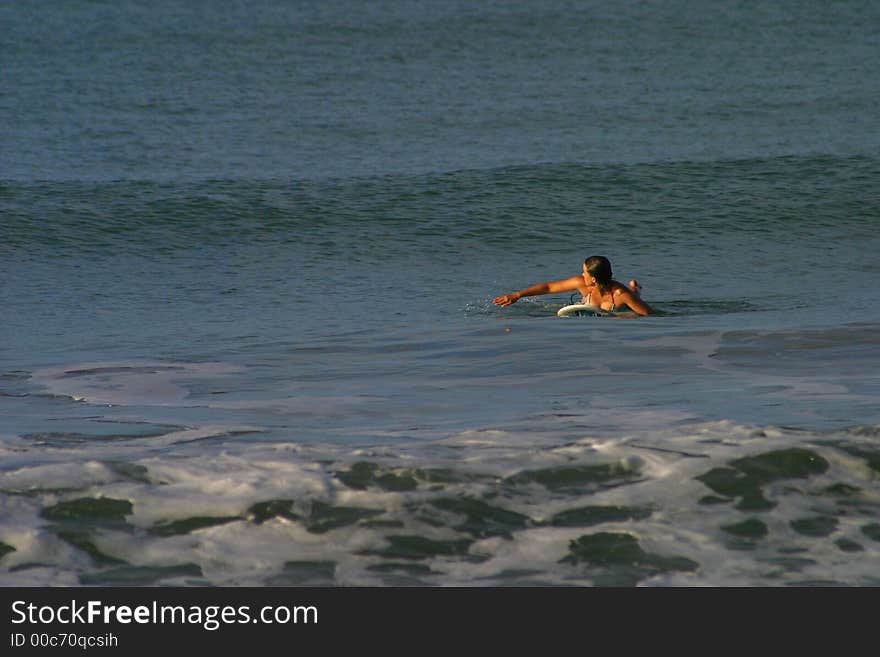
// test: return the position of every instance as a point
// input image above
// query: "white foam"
(480, 437)
(35, 545)
(40, 576)
(223, 485)
(187, 435)
(19, 522)
(67, 474)
(217, 480)
(153, 383)
(534, 549)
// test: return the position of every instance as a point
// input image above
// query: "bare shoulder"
(620, 290)
(567, 284)
(574, 280)
(624, 295)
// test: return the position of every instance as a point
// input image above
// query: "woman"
(595, 284)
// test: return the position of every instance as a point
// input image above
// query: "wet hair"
(599, 267)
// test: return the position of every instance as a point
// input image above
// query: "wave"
(706, 504)
(543, 205)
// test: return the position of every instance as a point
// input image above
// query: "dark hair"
(599, 267)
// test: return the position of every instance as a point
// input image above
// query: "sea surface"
(248, 252)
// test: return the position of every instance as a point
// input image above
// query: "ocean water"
(247, 258)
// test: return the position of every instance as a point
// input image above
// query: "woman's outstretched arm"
(550, 287)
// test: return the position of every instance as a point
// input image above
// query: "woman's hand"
(505, 299)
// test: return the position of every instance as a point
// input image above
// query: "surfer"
(596, 286)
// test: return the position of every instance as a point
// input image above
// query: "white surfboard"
(586, 310)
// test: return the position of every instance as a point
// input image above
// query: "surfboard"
(585, 310)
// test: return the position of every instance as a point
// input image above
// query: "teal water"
(247, 257)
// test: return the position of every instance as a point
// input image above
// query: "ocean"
(248, 252)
